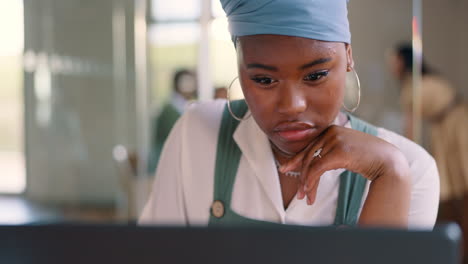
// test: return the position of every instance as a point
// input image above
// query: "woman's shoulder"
(418, 158)
(205, 110)
(436, 80)
(414, 153)
(203, 116)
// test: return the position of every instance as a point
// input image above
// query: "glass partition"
(12, 162)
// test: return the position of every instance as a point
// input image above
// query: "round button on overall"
(217, 208)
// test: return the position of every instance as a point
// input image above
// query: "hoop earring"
(358, 82)
(229, 103)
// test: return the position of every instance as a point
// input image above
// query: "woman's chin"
(290, 148)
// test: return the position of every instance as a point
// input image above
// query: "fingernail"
(300, 194)
(312, 201)
(284, 168)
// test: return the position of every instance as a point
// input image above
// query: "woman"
(184, 90)
(447, 117)
(294, 158)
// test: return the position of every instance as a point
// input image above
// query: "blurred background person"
(446, 114)
(184, 90)
(220, 93)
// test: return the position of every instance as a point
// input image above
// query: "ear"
(349, 57)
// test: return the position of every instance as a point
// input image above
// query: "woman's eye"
(263, 80)
(316, 76)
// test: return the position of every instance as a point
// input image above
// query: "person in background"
(184, 90)
(220, 93)
(446, 114)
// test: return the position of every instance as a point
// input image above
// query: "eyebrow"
(273, 68)
(315, 62)
(261, 66)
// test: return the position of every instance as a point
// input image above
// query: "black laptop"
(115, 244)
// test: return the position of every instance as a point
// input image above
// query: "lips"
(294, 131)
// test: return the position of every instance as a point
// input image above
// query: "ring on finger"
(317, 153)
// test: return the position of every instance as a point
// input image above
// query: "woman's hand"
(375, 159)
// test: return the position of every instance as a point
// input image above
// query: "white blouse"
(183, 188)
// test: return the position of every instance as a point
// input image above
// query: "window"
(172, 46)
(223, 54)
(12, 164)
(174, 37)
(179, 10)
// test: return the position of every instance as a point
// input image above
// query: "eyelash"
(313, 77)
(261, 80)
(316, 76)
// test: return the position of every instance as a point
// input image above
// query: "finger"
(294, 162)
(320, 148)
(310, 178)
(308, 165)
(300, 192)
(317, 167)
(312, 194)
(308, 161)
(297, 160)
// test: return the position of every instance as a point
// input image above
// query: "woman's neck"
(281, 155)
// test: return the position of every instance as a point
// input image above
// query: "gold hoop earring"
(358, 82)
(229, 103)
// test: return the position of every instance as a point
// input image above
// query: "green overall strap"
(228, 155)
(352, 185)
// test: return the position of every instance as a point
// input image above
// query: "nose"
(291, 100)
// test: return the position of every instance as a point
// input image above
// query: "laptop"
(115, 244)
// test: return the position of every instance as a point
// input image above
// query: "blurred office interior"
(82, 82)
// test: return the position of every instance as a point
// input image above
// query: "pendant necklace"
(294, 174)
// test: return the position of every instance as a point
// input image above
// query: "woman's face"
(396, 65)
(187, 85)
(294, 86)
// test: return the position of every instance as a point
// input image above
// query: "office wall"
(376, 27)
(445, 39)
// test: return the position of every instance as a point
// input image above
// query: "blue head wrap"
(325, 20)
